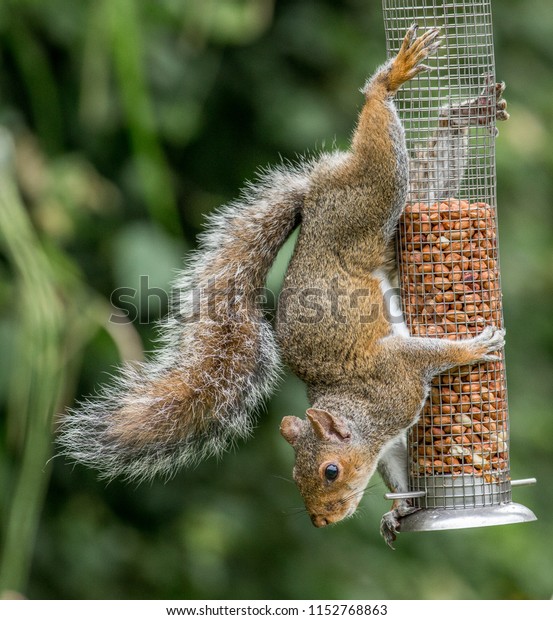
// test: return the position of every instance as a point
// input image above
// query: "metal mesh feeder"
(459, 471)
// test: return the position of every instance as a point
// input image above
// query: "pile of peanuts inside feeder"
(451, 289)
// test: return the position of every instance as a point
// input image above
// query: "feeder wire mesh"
(448, 251)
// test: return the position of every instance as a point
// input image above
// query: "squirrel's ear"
(290, 428)
(328, 427)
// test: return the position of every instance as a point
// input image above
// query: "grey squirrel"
(219, 357)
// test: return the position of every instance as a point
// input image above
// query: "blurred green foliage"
(131, 120)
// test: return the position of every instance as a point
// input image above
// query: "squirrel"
(219, 357)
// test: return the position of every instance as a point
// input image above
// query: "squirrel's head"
(331, 469)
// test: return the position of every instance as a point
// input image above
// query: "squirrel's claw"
(493, 90)
(413, 51)
(410, 36)
(482, 110)
(427, 41)
(390, 524)
(389, 527)
(425, 45)
(499, 88)
(484, 345)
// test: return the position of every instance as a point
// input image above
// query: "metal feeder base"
(436, 519)
(459, 502)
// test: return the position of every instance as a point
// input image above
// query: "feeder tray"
(448, 264)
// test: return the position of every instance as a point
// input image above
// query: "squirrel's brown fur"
(219, 357)
(365, 377)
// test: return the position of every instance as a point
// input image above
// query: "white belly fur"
(393, 304)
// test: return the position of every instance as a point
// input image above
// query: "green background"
(129, 122)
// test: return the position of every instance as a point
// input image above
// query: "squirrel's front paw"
(482, 110)
(390, 523)
(501, 113)
(485, 344)
(490, 103)
(389, 527)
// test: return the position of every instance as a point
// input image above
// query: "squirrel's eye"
(331, 472)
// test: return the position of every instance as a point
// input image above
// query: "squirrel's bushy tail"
(218, 358)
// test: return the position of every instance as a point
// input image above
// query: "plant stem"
(37, 376)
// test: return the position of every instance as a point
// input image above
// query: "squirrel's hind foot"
(408, 62)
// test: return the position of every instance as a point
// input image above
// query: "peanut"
(449, 271)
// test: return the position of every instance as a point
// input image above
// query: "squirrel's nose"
(319, 521)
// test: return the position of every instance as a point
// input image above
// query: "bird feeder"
(458, 453)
